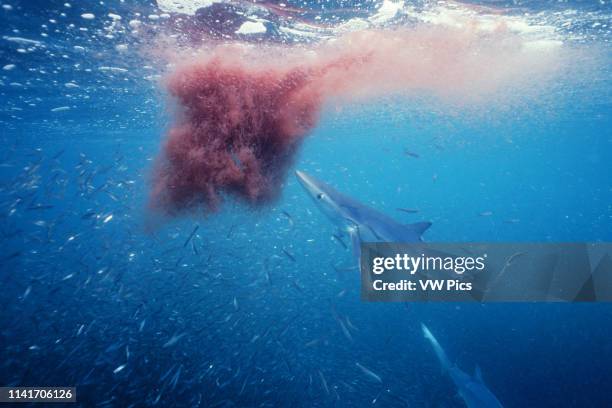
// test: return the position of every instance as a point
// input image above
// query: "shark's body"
(472, 389)
(361, 223)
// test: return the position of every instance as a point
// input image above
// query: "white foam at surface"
(387, 11)
(183, 6)
(457, 15)
(251, 27)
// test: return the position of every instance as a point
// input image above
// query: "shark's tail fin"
(444, 361)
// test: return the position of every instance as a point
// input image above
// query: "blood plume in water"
(243, 111)
(238, 132)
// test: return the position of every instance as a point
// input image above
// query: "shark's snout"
(312, 187)
(304, 179)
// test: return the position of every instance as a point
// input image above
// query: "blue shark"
(472, 389)
(360, 222)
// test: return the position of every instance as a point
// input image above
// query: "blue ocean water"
(261, 307)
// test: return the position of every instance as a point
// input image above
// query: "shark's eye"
(320, 196)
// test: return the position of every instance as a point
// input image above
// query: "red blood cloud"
(244, 110)
(237, 133)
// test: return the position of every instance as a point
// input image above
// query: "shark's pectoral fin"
(418, 228)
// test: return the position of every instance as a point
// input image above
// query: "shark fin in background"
(471, 389)
(444, 361)
(419, 227)
(478, 374)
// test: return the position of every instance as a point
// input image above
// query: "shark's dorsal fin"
(419, 227)
(478, 374)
